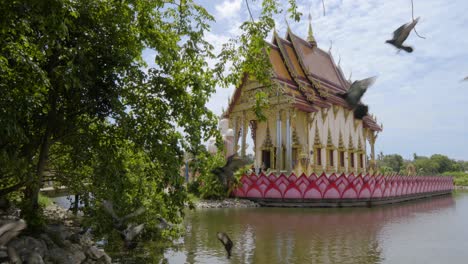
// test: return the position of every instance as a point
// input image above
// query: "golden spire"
(310, 37)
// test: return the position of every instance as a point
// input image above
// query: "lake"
(425, 231)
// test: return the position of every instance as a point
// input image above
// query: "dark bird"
(465, 79)
(225, 174)
(226, 241)
(401, 34)
(163, 224)
(354, 94)
(128, 232)
(10, 230)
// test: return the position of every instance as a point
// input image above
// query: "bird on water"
(226, 241)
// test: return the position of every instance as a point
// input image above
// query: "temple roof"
(308, 74)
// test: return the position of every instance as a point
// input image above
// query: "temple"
(309, 126)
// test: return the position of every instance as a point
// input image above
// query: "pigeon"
(226, 173)
(465, 79)
(119, 222)
(354, 94)
(401, 34)
(127, 232)
(9, 230)
(226, 241)
(163, 224)
(129, 235)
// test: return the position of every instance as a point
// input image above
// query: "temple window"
(351, 159)
(266, 159)
(330, 157)
(318, 156)
(342, 158)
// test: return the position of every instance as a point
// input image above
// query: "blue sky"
(418, 97)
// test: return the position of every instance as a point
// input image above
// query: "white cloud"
(228, 8)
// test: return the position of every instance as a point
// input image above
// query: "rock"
(26, 245)
(97, 254)
(34, 258)
(226, 203)
(73, 255)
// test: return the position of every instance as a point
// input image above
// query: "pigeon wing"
(235, 164)
(404, 33)
(134, 232)
(138, 212)
(109, 208)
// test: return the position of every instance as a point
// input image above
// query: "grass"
(44, 201)
(193, 198)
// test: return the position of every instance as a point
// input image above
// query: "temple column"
(236, 135)
(244, 135)
(288, 143)
(278, 142)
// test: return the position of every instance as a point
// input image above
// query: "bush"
(210, 187)
(459, 178)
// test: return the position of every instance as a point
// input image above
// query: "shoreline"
(226, 203)
(61, 241)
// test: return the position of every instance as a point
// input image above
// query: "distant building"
(310, 128)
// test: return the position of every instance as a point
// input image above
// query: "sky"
(418, 97)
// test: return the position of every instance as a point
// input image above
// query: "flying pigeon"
(465, 79)
(354, 94)
(163, 224)
(9, 230)
(226, 173)
(127, 232)
(401, 34)
(119, 222)
(226, 241)
(129, 235)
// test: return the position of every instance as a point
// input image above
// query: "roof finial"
(287, 23)
(310, 36)
(350, 75)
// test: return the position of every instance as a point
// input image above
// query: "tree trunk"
(32, 189)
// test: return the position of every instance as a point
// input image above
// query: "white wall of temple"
(334, 120)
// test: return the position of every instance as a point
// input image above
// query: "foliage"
(394, 162)
(44, 201)
(211, 186)
(459, 178)
(248, 53)
(79, 106)
(433, 165)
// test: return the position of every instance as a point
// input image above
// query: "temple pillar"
(279, 152)
(288, 143)
(244, 135)
(236, 134)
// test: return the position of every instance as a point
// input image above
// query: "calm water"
(427, 231)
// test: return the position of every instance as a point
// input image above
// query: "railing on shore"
(343, 187)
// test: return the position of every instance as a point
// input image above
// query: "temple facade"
(309, 126)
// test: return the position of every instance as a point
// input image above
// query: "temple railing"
(338, 187)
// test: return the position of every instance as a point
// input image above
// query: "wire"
(412, 14)
(323, 5)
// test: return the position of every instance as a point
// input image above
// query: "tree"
(394, 161)
(77, 102)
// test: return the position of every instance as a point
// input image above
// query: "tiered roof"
(308, 74)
